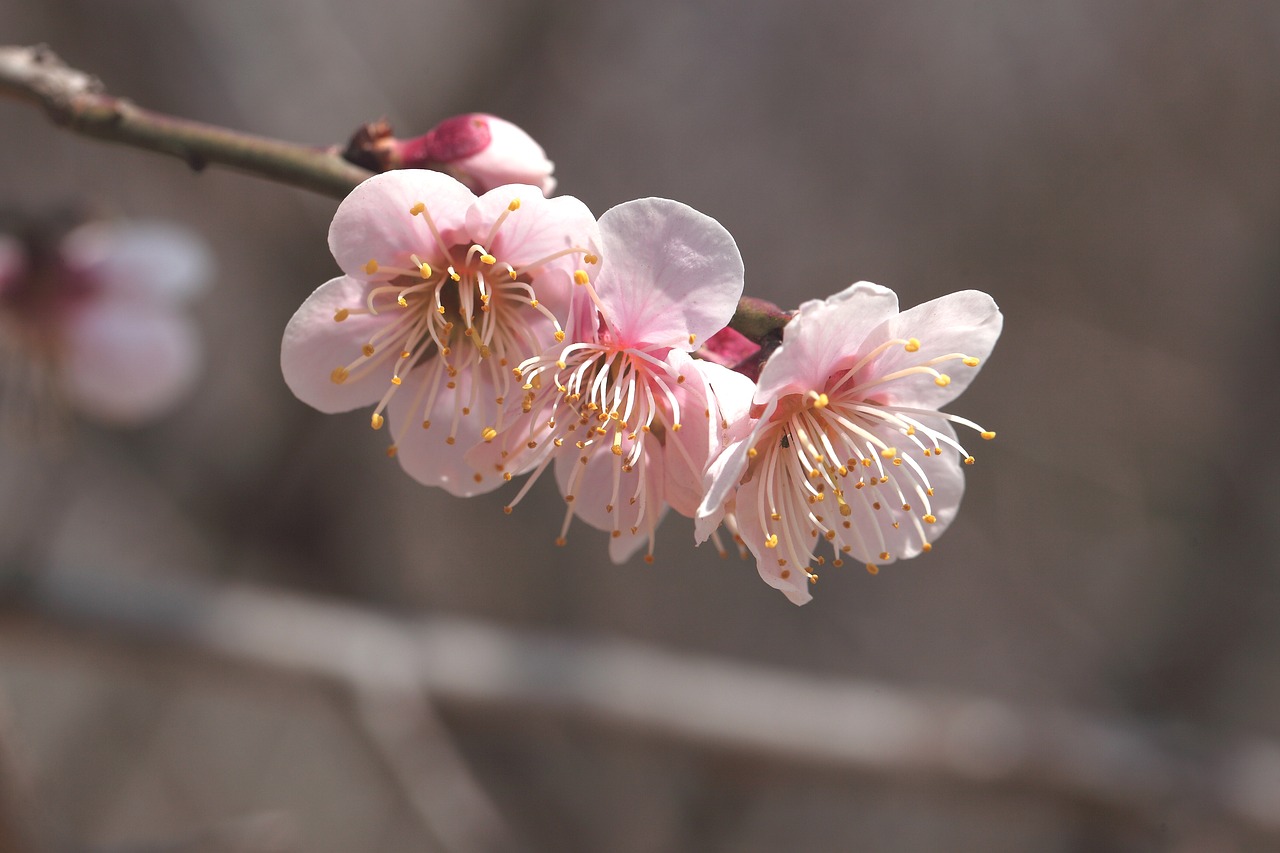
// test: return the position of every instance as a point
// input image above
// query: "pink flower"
(628, 417)
(96, 320)
(850, 448)
(481, 151)
(442, 295)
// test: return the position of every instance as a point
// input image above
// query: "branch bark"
(79, 102)
(1122, 766)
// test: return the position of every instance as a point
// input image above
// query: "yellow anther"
(514, 205)
(988, 435)
(591, 259)
(450, 440)
(368, 350)
(377, 421)
(675, 427)
(889, 452)
(340, 315)
(559, 336)
(453, 274)
(425, 269)
(942, 381)
(581, 277)
(926, 547)
(680, 379)
(912, 345)
(772, 541)
(969, 460)
(487, 258)
(371, 267)
(884, 555)
(813, 578)
(820, 401)
(391, 452)
(784, 574)
(404, 353)
(873, 569)
(970, 361)
(930, 519)
(339, 375)
(692, 339)
(396, 380)
(752, 453)
(426, 424)
(488, 433)
(402, 302)
(417, 208)
(897, 460)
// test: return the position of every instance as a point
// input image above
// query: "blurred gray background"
(1108, 171)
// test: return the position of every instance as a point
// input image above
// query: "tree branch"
(1122, 766)
(79, 102)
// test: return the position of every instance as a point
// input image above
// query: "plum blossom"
(481, 151)
(850, 447)
(442, 294)
(95, 320)
(629, 419)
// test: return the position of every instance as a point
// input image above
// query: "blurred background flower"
(94, 319)
(1107, 171)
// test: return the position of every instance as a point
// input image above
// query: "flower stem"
(78, 101)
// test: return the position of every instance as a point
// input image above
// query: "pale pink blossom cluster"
(501, 335)
(95, 320)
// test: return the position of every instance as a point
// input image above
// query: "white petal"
(592, 487)
(669, 272)
(823, 336)
(426, 454)
(126, 363)
(314, 345)
(795, 586)
(968, 322)
(374, 222)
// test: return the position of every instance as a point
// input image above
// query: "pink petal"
(823, 334)
(374, 222)
(314, 345)
(968, 322)
(426, 454)
(795, 586)
(128, 362)
(592, 487)
(669, 272)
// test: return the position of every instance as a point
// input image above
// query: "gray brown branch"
(1123, 766)
(79, 102)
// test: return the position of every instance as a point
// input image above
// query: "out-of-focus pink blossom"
(481, 151)
(442, 295)
(850, 447)
(96, 320)
(629, 419)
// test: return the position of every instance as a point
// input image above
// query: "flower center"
(847, 465)
(598, 395)
(473, 311)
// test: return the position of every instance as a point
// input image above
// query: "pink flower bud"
(481, 151)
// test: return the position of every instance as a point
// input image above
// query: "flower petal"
(966, 322)
(426, 454)
(592, 485)
(128, 362)
(823, 334)
(669, 272)
(314, 345)
(795, 584)
(690, 451)
(374, 222)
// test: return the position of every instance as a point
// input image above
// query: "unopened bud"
(481, 151)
